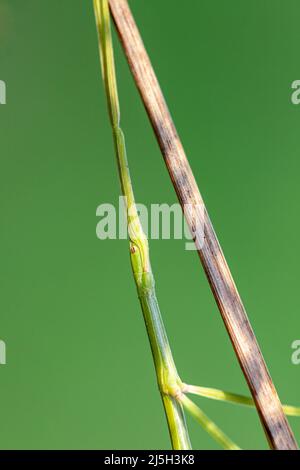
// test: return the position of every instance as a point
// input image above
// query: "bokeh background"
(79, 373)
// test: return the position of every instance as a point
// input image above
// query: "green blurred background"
(79, 373)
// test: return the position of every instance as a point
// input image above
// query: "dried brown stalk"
(223, 287)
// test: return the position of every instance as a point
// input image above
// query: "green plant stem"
(167, 377)
(209, 426)
(232, 310)
(221, 395)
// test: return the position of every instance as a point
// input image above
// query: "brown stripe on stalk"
(223, 287)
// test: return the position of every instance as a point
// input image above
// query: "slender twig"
(221, 395)
(208, 425)
(169, 383)
(167, 377)
(223, 287)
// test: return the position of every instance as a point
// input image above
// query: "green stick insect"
(173, 391)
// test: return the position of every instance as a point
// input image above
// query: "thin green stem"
(207, 424)
(167, 377)
(221, 395)
(291, 410)
(169, 383)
